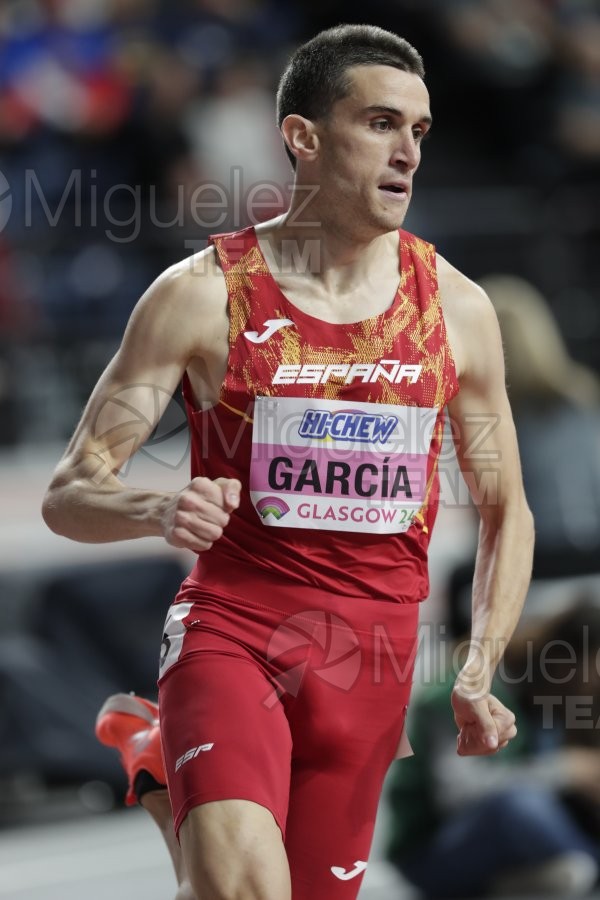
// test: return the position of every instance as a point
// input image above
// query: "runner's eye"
(420, 133)
(382, 125)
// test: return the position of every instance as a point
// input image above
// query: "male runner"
(318, 352)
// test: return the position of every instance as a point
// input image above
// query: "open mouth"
(395, 190)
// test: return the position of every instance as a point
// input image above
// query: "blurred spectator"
(540, 370)
(556, 405)
(237, 142)
(57, 69)
(578, 109)
(528, 821)
(556, 408)
(510, 41)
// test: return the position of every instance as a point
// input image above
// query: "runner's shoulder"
(194, 284)
(185, 307)
(462, 299)
(190, 290)
(470, 319)
(471, 323)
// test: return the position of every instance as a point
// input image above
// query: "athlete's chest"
(372, 296)
(287, 353)
(386, 347)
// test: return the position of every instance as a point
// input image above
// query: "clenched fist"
(195, 517)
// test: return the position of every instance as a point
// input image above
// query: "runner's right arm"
(86, 501)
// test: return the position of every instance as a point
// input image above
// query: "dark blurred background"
(119, 116)
(129, 131)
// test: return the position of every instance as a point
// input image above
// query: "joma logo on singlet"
(391, 370)
(355, 426)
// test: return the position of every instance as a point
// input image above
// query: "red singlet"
(334, 432)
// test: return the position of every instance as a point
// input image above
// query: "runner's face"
(371, 146)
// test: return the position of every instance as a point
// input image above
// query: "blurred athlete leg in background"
(130, 724)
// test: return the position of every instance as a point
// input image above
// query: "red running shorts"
(300, 710)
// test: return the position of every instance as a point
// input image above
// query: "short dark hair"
(315, 77)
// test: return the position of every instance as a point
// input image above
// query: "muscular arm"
(86, 500)
(487, 453)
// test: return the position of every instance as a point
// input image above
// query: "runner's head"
(317, 75)
(352, 107)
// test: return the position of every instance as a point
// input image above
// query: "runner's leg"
(227, 759)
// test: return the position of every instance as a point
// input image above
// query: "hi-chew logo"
(272, 506)
(347, 425)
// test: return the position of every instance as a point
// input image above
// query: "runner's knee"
(233, 850)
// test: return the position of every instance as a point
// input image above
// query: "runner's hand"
(484, 724)
(196, 516)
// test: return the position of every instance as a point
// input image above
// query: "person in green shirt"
(527, 822)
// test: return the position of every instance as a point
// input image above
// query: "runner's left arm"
(486, 447)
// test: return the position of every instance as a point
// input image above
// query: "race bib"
(339, 466)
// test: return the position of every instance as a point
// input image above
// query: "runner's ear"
(301, 137)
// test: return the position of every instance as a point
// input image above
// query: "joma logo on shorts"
(192, 753)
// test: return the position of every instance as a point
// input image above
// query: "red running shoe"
(130, 724)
